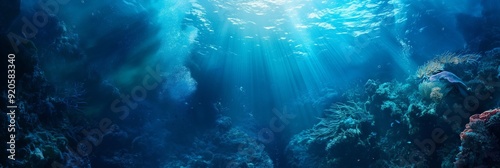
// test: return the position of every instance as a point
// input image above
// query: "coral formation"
(397, 125)
(70, 75)
(223, 147)
(480, 142)
(441, 62)
(343, 128)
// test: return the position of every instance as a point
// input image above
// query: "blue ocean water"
(253, 83)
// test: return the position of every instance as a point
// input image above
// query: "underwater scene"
(250, 83)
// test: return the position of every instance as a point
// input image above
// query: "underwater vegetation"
(196, 84)
(390, 124)
(396, 125)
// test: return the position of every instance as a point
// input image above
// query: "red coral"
(487, 114)
(484, 117)
(479, 144)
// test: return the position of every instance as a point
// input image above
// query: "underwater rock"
(222, 148)
(371, 86)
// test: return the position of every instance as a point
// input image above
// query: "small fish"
(422, 29)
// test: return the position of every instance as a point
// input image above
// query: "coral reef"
(224, 146)
(71, 74)
(343, 130)
(46, 115)
(45, 118)
(400, 126)
(480, 142)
